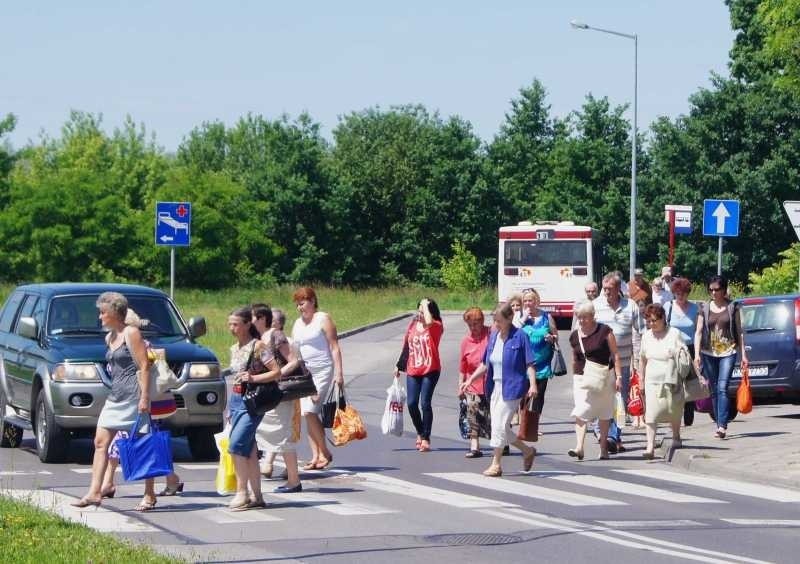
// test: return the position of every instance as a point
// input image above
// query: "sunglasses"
(714, 289)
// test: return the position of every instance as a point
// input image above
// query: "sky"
(173, 65)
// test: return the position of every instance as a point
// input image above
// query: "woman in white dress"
(315, 334)
(663, 390)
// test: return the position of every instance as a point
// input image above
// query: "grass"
(29, 534)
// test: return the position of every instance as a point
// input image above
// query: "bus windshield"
(545, 253)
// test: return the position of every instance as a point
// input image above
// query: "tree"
(7, 125)
(780, 20)
(781, 277)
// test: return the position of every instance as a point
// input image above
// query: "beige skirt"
(662, 403)
(276, 432)
(593, 405)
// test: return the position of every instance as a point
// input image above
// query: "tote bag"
(528, 421)
(595, 376)
(557, 365)
(145, 455)
(744, 397)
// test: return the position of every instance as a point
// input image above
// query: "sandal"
(108, 492)
(310, 465)
(418, 443)
(146, 505)
(171, 490)
(255, 503)
(575, 453)
(648, 455)
(86, 502)
(493, 472)
(424, 446)
(527, 461)
(238, 501)
(324, 465)
(266, 470)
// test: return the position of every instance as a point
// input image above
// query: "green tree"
(7, 125)
(781, 277)
(780, 20)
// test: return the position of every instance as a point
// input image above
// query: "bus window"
(545, 253)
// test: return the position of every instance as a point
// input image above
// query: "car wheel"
(201, 443)
(10, 435)
(51, 441)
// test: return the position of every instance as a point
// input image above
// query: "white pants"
(501, 412)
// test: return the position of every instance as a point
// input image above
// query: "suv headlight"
(202, 371)
(70, 372)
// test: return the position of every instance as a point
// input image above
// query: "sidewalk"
(762, 446)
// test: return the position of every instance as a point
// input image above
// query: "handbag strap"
(580, 342)
(135, 428)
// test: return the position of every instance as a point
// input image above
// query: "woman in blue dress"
(540, 327)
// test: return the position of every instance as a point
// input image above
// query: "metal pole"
(172, 273)
(719, 257)
(633, 153)
(671, 237)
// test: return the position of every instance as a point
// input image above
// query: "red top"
(472, 351)
(423, 348)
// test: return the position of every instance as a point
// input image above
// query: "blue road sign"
(721, 218)
(173, 222)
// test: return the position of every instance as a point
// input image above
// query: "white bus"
(556, 258)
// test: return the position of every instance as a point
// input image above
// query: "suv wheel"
(10, 435)
(201, 443)
(51, 441)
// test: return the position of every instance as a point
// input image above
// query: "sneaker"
(612, 446)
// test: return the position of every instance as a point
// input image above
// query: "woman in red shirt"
(420, 361)
(473, 347)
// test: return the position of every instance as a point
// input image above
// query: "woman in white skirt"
(663, 389)
(315, 334)
(128, 367)
(593, 342)
(508, 368)
(275, 433)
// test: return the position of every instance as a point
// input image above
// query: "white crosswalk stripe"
(764, 522)
(628, 488)
(336, 504)
(525, 489)
(656, 524)
(761, 491)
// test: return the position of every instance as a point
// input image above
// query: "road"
(383, 501)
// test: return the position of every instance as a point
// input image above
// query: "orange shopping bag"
(744, 398)
(347, 426)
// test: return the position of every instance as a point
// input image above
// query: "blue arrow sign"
(721, 218)
(173, 224)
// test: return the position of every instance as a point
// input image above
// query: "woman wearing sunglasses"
(718, 339)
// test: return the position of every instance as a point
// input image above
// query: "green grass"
(29, 534)
(348, 307)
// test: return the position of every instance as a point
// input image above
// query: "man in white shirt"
(661, 292)
(621, 314)
(667, 278)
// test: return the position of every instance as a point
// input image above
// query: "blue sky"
(174, 64)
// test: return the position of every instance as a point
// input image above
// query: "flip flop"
(146, 506)
(575, 453)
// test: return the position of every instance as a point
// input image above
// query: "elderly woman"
(540, 327)
(251, 361)
(509, 376)
(422, 365)
(718, 339)
(274, 433)
(663, 390)
(684, 316)
(130, 388)
(515, 301)
(593, 342)
(473, 347)
(315, 333)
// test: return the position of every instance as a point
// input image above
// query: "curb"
(355, 331)
(702, 463)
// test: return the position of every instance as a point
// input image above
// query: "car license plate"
(754, 371)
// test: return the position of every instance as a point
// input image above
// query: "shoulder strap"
(669, 313)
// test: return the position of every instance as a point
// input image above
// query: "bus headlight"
(203, 371)
(75, 372)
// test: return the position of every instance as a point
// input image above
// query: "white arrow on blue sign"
(173, 224)
(721, 218)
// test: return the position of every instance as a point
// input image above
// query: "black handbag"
(557, 365)
(334, 400)
(299, 383)
(258, 398)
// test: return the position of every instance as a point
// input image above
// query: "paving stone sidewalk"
(762, 446)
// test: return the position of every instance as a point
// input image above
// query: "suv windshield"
(76, 315)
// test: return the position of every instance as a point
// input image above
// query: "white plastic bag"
(392, 422)
(619, 410)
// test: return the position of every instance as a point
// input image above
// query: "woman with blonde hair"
(593, 344)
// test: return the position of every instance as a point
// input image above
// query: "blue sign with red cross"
(173, 224)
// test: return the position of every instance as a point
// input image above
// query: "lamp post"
(580, 25)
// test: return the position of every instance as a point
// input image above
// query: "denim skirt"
(243, 427)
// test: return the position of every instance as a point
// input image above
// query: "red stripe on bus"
(556, 235)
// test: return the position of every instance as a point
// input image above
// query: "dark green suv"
(53, 377)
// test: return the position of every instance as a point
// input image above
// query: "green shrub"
(461, 272)
(781, 277)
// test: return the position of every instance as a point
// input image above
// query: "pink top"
(472, 351)
(423, 348)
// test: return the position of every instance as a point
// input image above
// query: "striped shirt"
(622, 321)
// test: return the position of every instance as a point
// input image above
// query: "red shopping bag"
(744, 398)
(635, 399)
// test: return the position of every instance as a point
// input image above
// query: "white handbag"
(596, 376)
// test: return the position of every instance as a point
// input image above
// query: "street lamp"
(581, 25)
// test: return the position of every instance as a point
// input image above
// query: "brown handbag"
(528, 421)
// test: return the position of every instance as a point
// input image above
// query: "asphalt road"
(383, 501)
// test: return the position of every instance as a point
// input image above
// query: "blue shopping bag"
(146, 455)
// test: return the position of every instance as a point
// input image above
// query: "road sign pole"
(172, 273)
(719, 257)
(671, 237)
